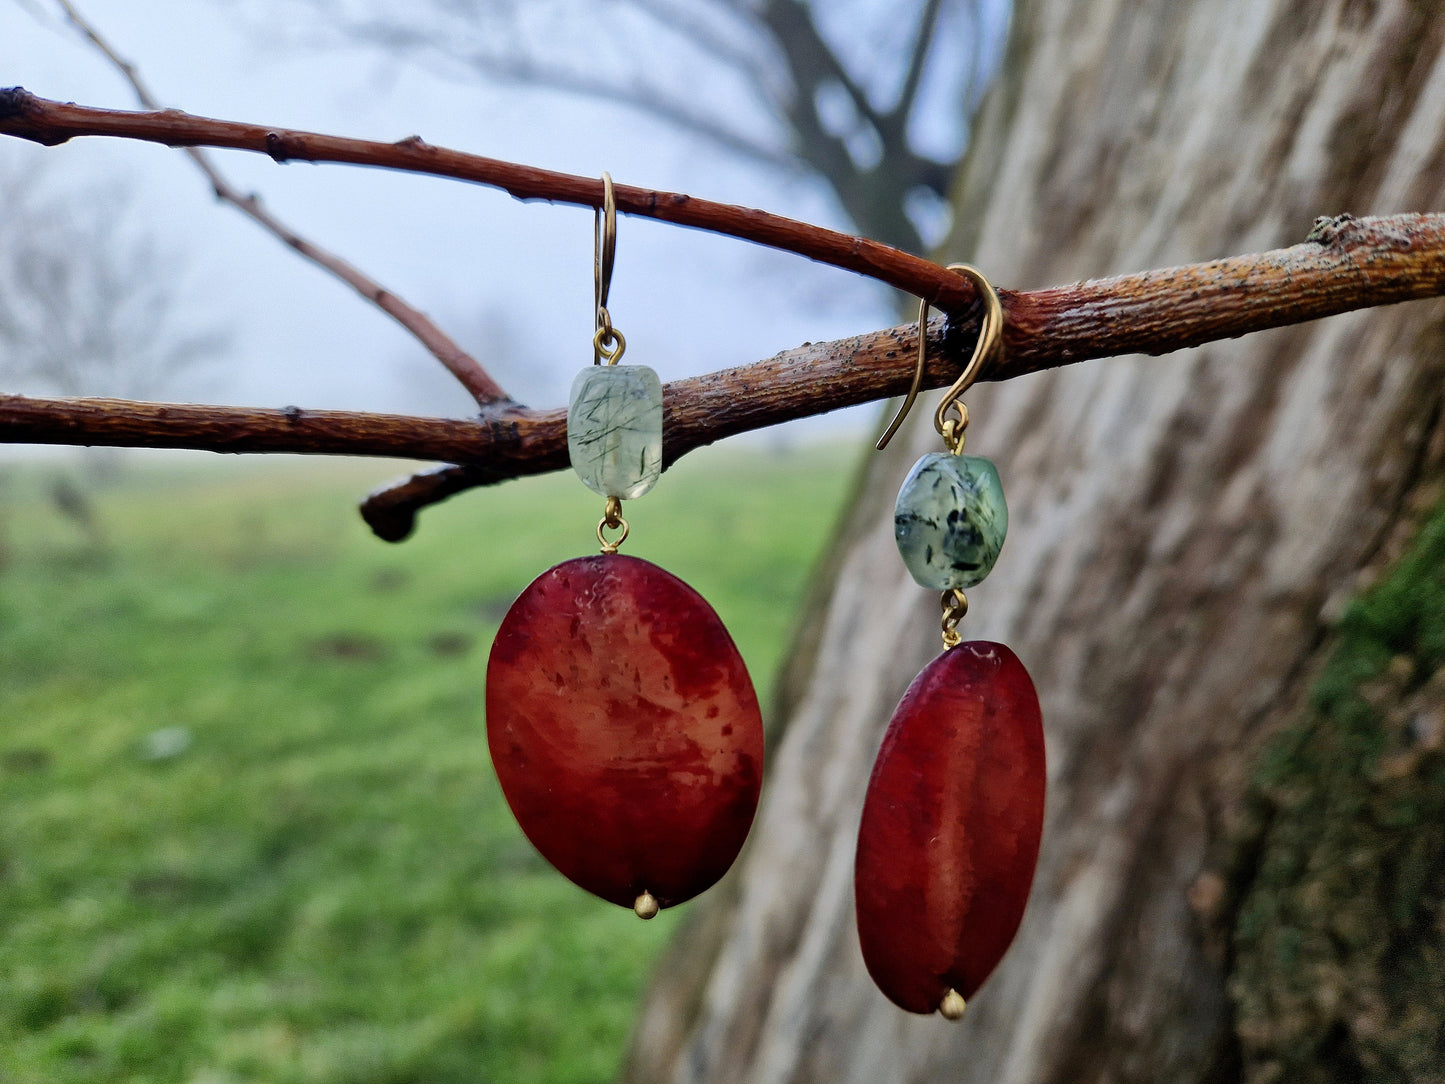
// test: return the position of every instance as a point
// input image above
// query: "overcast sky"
(472, 257)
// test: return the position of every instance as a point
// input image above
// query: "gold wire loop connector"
(989, 344)
(955, 606)
(953, 428)
(607, 345)
(604, 254)
(612, 520)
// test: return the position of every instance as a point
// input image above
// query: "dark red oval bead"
(624, 729)
(951, 826)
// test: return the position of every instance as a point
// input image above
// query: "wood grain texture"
(1181, 540)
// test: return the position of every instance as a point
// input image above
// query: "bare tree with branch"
(88, 304)
(865, 97)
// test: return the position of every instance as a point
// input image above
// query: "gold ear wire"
(608, 341)
(990, 342)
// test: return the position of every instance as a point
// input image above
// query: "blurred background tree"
(873, 99)
(90, 302)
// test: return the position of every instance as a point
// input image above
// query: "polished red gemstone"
(624, 729)
(951, 826)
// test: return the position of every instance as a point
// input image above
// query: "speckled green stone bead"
(950, 520)
(614, 429)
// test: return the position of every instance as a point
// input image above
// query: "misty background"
(510, 280)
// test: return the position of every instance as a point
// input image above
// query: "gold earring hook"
(990, 342)
(608, 341)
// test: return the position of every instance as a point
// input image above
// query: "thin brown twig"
(128, 423)
(49, 122)
(1345, 264)
(468, 371)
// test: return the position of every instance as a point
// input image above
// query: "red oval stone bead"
(951, 826)
(624, 729)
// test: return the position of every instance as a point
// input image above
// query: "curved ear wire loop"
(990, 342)
(608, 343)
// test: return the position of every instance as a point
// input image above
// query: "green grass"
(325, 884)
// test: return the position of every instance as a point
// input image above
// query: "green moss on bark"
(1339, 941)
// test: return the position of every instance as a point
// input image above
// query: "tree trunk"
(1185, 536)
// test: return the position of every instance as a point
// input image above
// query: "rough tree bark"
(1184, 537)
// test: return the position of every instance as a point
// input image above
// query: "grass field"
(248, 826)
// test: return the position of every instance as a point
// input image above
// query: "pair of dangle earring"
(622, 723)
(953, 816)
(627, 738)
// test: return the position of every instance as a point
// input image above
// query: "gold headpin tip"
(952, 1005)
(646, 906)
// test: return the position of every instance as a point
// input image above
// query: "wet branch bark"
(1345, 264)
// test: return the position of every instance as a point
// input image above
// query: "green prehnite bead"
(950, 520)
(614, 429)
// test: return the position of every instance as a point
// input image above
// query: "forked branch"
(50, 123)
(1344, 264)
(467, 370)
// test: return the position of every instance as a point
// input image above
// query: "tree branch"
(50, 123)
(126, 423)
(508, 62)
(643, 98)
(683, 19)
(750, 61)
(810, 59)
(459, 363)
(1345, 264)
(913, 78)
(873, 198)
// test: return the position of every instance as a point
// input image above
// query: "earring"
(622, 723)
(952, 819)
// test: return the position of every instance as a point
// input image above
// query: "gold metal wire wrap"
(608, 343)
(955, 606)
(989, 344)
(611, 521)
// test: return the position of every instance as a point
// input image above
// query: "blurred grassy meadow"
(250, 829)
